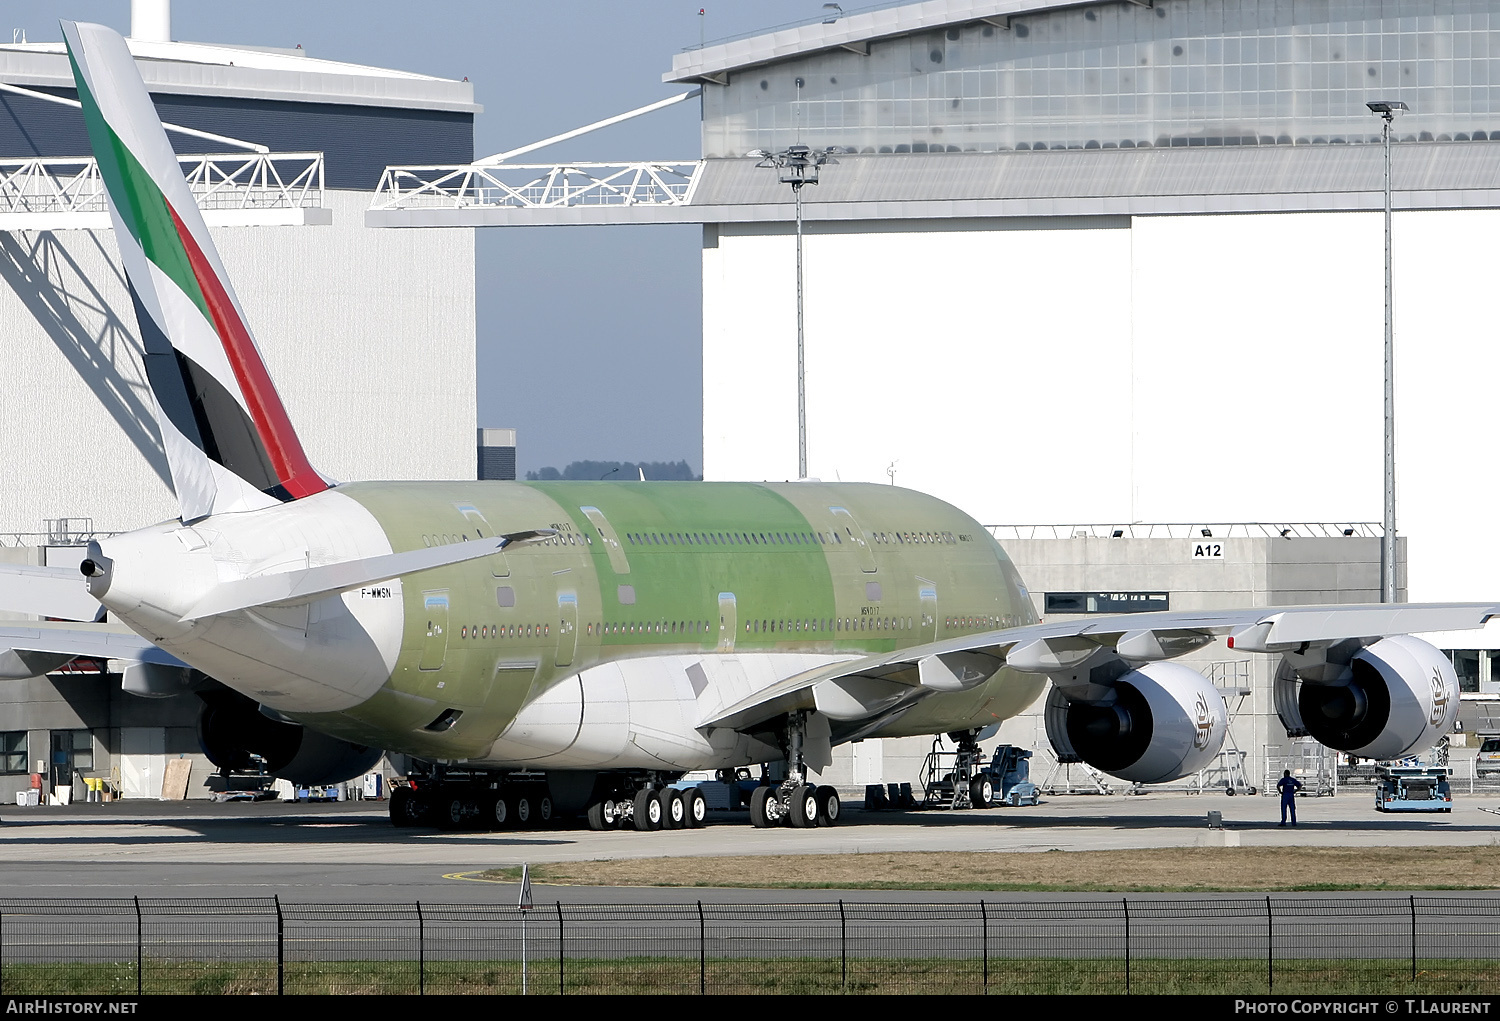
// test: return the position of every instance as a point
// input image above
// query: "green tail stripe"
(139, 201)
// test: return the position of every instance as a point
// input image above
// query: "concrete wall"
(134, 736)
(369, 335)
(1221, 368)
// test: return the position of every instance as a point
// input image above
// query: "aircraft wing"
(875, 688)
(46, 591)
(30, 648)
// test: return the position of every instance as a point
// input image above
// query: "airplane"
(547, 647)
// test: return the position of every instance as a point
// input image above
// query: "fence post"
(421, 952)
(984, 921)
(560, 989)
(1125, 903)
(1270, 950)
(1412, 898)
(280, 948)
(139, 940)
(702, 953)
(843, 948)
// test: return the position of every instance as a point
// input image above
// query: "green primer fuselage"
(642, 569)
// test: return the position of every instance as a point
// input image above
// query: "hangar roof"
(855, 30)
(205, 69)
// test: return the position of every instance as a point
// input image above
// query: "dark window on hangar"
(1105, 602)
(13, 751)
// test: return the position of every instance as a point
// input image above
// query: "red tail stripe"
(287, 456)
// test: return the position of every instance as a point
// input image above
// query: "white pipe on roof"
(238, 143)
(501, 157)
(151, 20)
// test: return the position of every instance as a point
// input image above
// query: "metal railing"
(1221, 944)
(53, 537)
(537, 185)
(56, 186)
(1193, 530)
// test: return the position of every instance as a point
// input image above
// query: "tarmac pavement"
(350, 852)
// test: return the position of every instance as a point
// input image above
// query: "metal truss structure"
(66, 192)
(537, 185)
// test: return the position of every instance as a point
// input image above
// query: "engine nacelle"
(231, 728)
(1396, 697)
(1161, 721)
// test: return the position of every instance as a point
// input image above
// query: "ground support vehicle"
(1011, 768)
(1413, 789)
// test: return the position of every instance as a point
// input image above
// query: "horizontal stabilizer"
(310, 583)
(24, 645)
(59, 592)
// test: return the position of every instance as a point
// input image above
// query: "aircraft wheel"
(521, 803)
(408, 808)
(673, 814)
(695, 809)
(456, 812)
(597, 821)
(759, 818)
(648, 811)
(804, 807)
(500, 814)
(544, 809)
(828, 806)
(981, 792)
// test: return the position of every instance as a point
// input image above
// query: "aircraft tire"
(453, 813)
(648, 811)
(544, 810)
(673, 811)
(408, 808)
(694, 808)
(758, 816)
(597, 822)
(828, 806)
(500, 814)
(804, 807)
(521, 803)
(981, 792)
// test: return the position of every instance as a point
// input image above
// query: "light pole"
(798, 165)
(1386, 111)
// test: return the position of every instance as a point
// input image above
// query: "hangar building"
(1119, 262)
(1114, 262)
(369, 334)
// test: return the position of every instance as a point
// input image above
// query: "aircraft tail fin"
(228, 440)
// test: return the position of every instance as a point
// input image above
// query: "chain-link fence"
(1240, 945)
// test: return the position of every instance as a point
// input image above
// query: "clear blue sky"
(589, 337)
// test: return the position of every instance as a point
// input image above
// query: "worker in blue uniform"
(1288, 785)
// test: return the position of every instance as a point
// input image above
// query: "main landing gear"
(473, 802)
(646, 804)
(795, 802)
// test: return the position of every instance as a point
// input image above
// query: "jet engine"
(1157, 723)
(1395, 697)
(231, 728)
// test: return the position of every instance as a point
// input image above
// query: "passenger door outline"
(435, 643)
(927, 595)
(499, 566)
(728, 621)
(845, 520)
(567, 626)
(611, 539)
